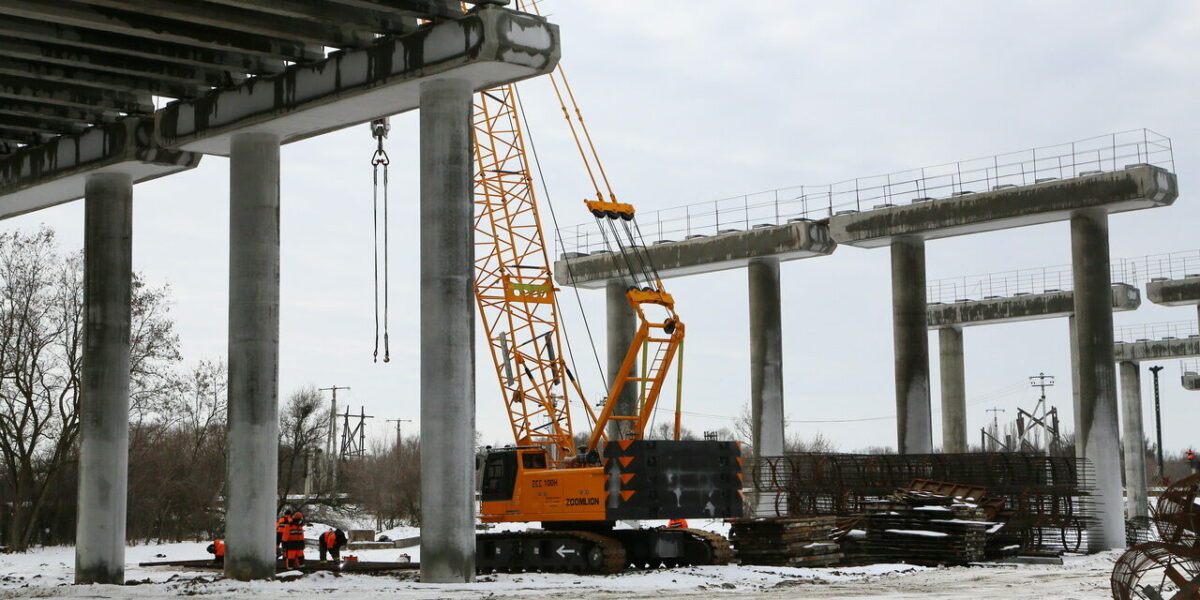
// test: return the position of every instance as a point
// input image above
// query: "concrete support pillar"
(1096, 430)
(622, 325)
(253, 436)
(447, 334)
(910, 334)
(1137, 503)
(766, 357)
(1074, 346)
(954, 390)
(104, 381)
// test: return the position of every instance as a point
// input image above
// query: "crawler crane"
(578, 494)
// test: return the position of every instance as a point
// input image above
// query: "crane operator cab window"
(499, 475)
(533, 459)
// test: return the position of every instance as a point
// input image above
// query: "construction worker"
(1190, 455)
(217, 549)
(332, 542)
(293, 542)
(677, 524)
(280, 526)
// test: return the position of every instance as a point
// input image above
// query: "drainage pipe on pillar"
(1096, 429)
(104, 381)
(447, 334)
(1137, 503)
(253, 434)
(910, 336)
(954, 390)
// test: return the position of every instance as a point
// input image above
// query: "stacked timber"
(788, 542)
(923, 528)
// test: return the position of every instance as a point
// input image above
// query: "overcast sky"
(698, 100)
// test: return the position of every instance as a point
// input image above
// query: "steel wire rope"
(558, 236)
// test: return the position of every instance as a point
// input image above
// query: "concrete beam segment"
(17, 67)
(57, 113)
(331, 32)
(38, 125)
(621, 323)
(409, 8)
(74, 96)
(1135, 187)
(913, 414)
(253, 436)
(490, 47)
(117, 64)
(55, 172)
(1137, 502)
(447, 334)
(1026, 307)
(104, 380)
(1174, 292)
(322, 10)
(802, 239)
(161, 30)
(1096, 429)
(1188, 347)
(954, 390)
(63, 42)
(766, 357)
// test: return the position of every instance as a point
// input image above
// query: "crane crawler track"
(581, 552)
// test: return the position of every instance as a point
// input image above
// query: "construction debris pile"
(784, 542)
(1041, 501)
(1169, 568)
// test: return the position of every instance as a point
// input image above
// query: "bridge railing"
(1022, 281)
(1110, 152)
(1156, 331)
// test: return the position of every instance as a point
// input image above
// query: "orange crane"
(578, 493)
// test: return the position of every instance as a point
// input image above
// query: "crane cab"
(519, 485)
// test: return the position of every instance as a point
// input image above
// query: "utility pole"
(995, 426)
(399, 438)
(1158, 420)
(331, 448)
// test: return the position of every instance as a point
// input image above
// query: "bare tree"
(41, 331)
(302, 429)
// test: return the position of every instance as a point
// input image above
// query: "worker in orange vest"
(293, 542)
(677, 524)
(217, 549)
(281, 526)
(331, 541)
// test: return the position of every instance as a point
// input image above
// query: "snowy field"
(47, 573)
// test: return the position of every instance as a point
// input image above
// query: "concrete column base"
(954, 390)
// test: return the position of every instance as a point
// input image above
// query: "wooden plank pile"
(923, 528)
(784, 541)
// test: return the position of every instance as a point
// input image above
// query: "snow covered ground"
(47, 573)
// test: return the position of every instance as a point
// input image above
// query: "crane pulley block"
(611, 210)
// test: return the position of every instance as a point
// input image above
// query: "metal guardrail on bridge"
(1156, 331)
(1106, 153)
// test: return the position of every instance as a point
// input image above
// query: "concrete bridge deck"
(1134, 187)
(1021, 307)
(733, 249)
